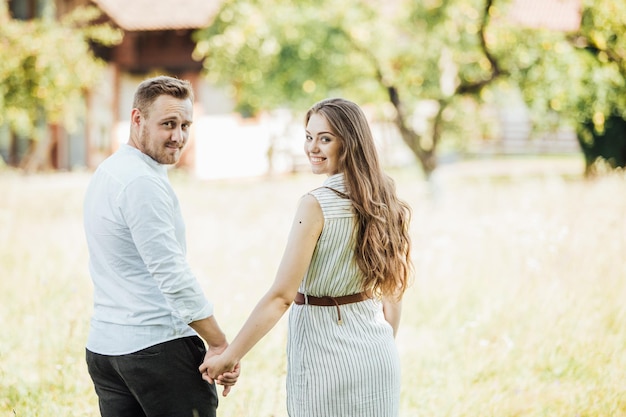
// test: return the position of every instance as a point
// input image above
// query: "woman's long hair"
(383, 243)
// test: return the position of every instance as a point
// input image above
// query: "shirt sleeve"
(150, 210)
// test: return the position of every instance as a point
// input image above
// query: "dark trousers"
(160, 381)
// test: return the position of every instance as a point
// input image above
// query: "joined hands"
(217, 368)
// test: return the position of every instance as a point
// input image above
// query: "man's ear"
(135, 117)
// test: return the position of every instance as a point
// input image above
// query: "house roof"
(144, 15)
(564, 15)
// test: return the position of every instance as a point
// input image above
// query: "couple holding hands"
(154, 346)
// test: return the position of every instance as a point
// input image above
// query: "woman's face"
(321, 146)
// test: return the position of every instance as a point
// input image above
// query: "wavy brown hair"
(383, 243)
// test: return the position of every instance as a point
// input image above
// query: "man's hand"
(219, 369)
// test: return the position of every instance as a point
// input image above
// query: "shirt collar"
(336, 181)
(151, 162)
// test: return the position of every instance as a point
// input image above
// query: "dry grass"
(517, 308)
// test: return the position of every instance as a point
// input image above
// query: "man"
(143, 349)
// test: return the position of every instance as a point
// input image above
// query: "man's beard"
(159, 151)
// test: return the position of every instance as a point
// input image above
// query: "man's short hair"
(149, 90)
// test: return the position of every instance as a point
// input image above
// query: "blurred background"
(503, 123)
(442, 80)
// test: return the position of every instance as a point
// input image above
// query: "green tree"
(46, 67)
(579, 76)
(280, 53)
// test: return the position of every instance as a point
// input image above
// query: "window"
(27, 9)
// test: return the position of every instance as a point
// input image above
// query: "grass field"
(517, 306)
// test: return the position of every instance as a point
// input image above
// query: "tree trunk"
(426, 157)
(608, 146)
(38, 155)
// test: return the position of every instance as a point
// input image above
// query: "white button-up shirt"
(144, 290)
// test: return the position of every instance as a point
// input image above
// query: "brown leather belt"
(332, 301)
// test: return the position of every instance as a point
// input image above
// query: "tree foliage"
(277, 53)
(408, 52)
(579, 76)
(283, 53)
(45, 68)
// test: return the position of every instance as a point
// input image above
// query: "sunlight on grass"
(516, 309)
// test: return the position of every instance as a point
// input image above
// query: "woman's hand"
(219, 369)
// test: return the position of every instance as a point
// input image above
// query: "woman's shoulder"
(333, 203)
(315, 192)
(309, 207)
(309, 199)
(326, 193)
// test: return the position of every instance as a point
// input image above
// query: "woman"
(347, 265)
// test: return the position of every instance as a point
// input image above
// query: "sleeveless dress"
(348, 369)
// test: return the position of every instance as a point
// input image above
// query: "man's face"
(163, 131)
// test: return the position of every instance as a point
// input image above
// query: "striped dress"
(348, 369)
